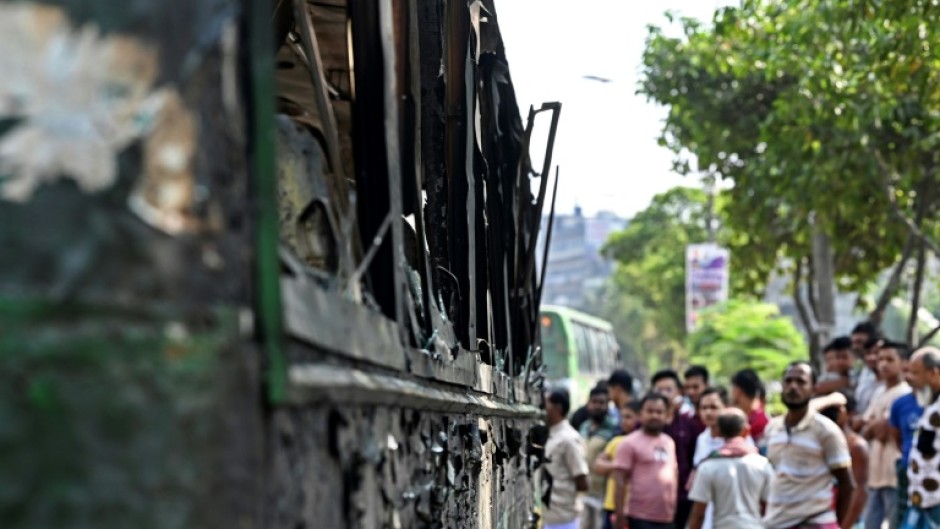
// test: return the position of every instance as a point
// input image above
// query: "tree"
(823, 116)
(642, 343)
(650, 255)
(740, 334)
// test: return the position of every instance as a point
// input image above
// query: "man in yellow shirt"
(629, 415)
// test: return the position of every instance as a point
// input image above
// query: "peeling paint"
(78, 97)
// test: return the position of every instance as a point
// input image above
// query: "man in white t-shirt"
(735, 479)
(711, 404)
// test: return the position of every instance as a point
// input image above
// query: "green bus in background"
(578, 350)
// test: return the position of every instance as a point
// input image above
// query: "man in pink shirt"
(646, 460)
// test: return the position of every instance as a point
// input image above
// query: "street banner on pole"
(706, 279)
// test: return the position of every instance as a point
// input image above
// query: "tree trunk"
(807, 317)
(824, 285)
(929, 336)
(915, 295)
(877, 315)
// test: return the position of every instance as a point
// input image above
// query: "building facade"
(575, 263)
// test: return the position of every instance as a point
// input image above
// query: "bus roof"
(577, 315)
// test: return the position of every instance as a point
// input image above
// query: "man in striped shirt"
(809, 453)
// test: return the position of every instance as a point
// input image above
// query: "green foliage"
(799, 103)
(650, 255)
(642, 344)
(648, 290)
(740, 334)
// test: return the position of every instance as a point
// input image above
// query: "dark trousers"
(607, 522)
(903, 502)
(683, 510)
(636, 523)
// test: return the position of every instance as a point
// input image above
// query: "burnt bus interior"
(408, 217)
(406, 197)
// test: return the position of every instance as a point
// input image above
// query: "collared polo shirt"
(801, 489)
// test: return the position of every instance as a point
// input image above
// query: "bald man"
(735, 479)
(902, 421)
(923, 472)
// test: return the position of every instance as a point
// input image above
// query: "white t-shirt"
(735, 487)
(705, 444)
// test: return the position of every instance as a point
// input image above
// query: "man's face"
(694, 386)
(619, 395)
(709, 408)
(797, 386)
(921, 376)
(653, 416)
(843, 361)
(668, 388)
(858, 342)
(889, 363)
(917, 374)
(871, 358)
(736, 395)
(831, 363)
(552, 411)
(628, 419)
(597, 407)
(839, 361)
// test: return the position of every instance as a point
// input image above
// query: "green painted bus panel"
(576, 315)
(114, 417)
(579, 380)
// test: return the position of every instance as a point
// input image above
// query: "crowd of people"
(856, 448)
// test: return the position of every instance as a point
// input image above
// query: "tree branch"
(915, 298)
(929, 336)
(887, 174)
(808, 323)
(811, 292)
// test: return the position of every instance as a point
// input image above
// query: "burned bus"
(267, 264)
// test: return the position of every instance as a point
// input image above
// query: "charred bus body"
(248, 285)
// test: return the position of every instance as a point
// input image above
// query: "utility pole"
(710, 187)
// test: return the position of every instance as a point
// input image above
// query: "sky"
(606, 143)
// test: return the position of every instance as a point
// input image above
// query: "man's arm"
(701, 494)
(830, 386)
(868, 429)
(603, 465)
(581, 483)
(697, 517)
(620, 479)
(894, 436)
(576, 460)
(860, 474)
(846, 490)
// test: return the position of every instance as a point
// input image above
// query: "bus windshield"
(554, 346)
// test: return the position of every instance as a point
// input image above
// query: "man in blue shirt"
(905, 413)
